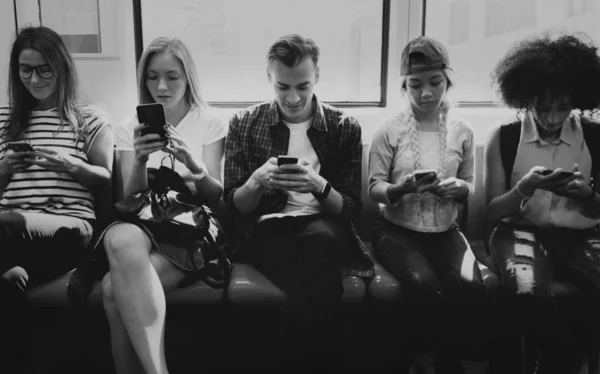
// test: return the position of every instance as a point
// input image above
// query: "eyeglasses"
(43, 71)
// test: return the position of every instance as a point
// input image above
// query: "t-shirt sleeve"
(96, 118)
(4, 114)
(124, 134)
(216, 129)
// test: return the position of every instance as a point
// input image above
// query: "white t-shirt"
(300, 204)
(201, 126)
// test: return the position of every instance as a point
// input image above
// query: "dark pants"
(528, 259)
(301, 256)
(46, 246)
(443, 293)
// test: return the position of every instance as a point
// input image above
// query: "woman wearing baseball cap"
(421, 167)
(543, 206)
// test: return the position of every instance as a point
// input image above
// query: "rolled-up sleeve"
(237, 170)
(349, 185)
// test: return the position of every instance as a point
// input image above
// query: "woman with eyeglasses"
(144, 266)
(55, 155)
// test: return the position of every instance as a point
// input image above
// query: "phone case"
(153, 115)
(19, 146)
(282, 160)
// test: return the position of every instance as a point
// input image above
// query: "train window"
(77, 22)
(229, 40)
(479, 32)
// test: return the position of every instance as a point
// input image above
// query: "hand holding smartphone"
(153, 115)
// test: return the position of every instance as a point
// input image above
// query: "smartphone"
(566, 174)
(19, 146)
(282, 160)
(419, 174)
(153, 115)
(563, 174)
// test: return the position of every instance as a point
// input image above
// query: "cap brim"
(424, 68)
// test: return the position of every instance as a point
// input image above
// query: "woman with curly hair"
(542, 203)
(421, 167)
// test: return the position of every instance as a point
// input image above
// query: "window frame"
(461, 103)
(385, 45)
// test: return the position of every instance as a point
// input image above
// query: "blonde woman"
(142, 266)
(421, 167)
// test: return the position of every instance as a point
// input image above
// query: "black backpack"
(510, 134)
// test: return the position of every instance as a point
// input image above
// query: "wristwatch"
(322, 195)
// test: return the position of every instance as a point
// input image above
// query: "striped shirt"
(39, 190)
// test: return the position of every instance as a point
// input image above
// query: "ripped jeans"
(443, 292)
(529, 259)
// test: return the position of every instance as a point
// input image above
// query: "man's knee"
(325, 235)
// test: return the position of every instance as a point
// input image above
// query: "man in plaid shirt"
(300, 231)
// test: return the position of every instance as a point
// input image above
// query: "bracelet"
(520, 192)
(198, 177)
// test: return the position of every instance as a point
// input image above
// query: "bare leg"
(124, 356)
(138, 282)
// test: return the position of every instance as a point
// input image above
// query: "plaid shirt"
(257, 134)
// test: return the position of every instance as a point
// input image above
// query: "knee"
(422, 283)
(108, 298)
(125, 241)
(322, 238)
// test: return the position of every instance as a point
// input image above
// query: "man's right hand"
(146, 145)
(260, 177)
(14, 162)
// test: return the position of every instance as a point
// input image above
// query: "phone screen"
(153, 115)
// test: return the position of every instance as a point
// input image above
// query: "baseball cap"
(423, 54)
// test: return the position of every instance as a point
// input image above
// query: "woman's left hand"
(180, 149)
(451, 188)
(53, 160)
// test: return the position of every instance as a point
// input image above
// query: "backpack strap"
(591, 136)
(510, 133)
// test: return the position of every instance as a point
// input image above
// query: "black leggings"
(441, 285)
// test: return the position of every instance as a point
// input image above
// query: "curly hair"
(542, 65)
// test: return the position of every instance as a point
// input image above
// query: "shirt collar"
(567, 133)
(318, 122)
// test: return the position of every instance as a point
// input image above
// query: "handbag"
(186, 230)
